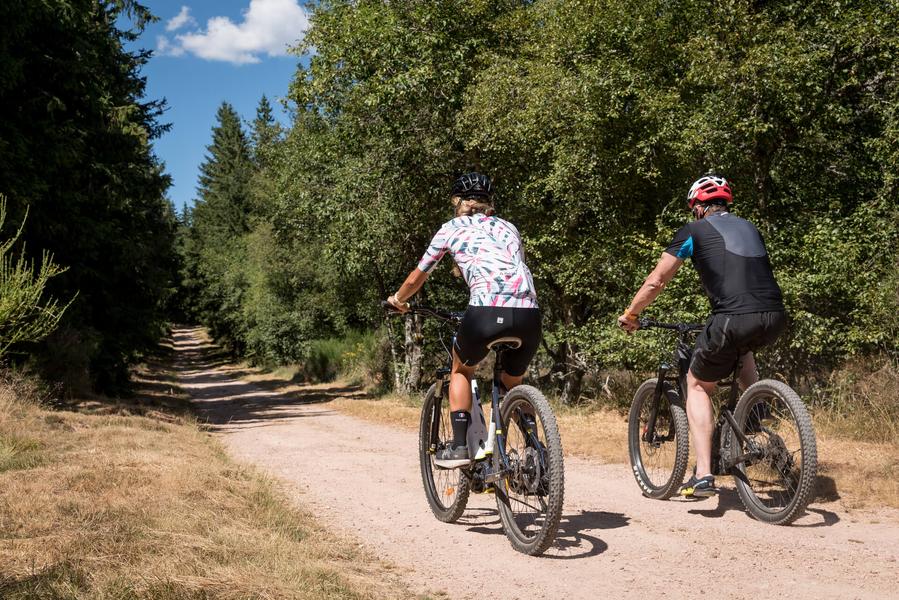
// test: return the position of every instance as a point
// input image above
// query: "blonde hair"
(467, 207)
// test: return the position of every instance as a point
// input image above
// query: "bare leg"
(749, 374)
(702, 421)
(460, 385)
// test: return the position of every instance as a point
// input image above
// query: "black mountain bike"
(764, 438)
(517, 457)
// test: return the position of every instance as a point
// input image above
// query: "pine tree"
(75, 150)
(266, 133)
(225, 176)
(214, 250)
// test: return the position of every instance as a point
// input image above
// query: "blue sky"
(209, 52)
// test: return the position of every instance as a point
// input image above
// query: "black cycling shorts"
(482, 325)
(726, 338)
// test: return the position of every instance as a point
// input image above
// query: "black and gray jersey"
(733, 265)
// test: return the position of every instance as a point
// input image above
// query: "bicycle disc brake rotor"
(526, 472)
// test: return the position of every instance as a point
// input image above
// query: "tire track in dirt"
(363, 479)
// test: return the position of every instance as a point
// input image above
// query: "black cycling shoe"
(703, 487)
(452, 457)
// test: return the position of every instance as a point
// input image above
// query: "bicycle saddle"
(504, 343)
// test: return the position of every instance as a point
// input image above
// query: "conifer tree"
(221, 219)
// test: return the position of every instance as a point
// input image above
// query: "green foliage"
(359, 357)
(593, 117)
(25, 314)
(75, 149)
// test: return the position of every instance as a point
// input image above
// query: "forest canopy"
(593, 118)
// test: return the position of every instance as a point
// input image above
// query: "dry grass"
(129, 506)
(600, 434)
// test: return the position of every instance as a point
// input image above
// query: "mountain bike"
(517, 455)
(764, 438)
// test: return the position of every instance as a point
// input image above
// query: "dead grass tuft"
(860, 402)
(105, 504)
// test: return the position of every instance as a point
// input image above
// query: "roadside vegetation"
(131, 499)
(83, 185)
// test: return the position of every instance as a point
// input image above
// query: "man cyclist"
(747, 307)
(502, 303)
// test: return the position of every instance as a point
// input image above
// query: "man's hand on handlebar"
(401, 307)
(629, 322)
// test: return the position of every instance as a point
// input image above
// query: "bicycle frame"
(683, 353)
(496, 438)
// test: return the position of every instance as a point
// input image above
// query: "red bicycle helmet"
(709, 187)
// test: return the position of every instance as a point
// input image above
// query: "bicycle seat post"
(497, 370)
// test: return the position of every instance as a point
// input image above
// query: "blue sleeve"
(686, 250)
(682, 245)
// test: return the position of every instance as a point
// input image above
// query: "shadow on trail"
(729, 500)
(571, 540)
(224, 400)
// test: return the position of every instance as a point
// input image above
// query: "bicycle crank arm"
(496, 476)
(746, 457)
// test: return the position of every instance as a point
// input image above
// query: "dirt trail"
(363, 479)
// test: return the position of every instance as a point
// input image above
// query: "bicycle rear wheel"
(529, 499)
(778, 481)
(658, 458)
(447, 489)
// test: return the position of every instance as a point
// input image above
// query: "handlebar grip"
(390, 308)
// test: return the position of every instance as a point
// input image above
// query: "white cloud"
(180, 20)
(268, 27)
(167, 48)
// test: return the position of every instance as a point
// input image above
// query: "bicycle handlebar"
(426, 311)
(678, 327)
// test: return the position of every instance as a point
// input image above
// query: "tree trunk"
(397, 372)
(414, 351)
(573, 375)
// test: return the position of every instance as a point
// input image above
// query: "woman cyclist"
(502, 303)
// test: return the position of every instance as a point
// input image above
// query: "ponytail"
(471, 206)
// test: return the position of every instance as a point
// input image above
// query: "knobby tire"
(804, 484)
(659, 482)
(533, 543)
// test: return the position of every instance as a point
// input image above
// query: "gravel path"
(363, 479)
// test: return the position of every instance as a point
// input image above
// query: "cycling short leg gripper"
(461, 421)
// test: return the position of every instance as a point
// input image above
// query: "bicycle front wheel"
(776, 481)
(447, 489)
(659, 457)
(529, 498)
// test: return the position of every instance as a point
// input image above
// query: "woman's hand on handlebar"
(629, 322)
(401, 307)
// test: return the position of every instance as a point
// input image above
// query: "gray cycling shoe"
(452, 457)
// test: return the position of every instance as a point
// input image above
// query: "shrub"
(361, 357)
(25, 315)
